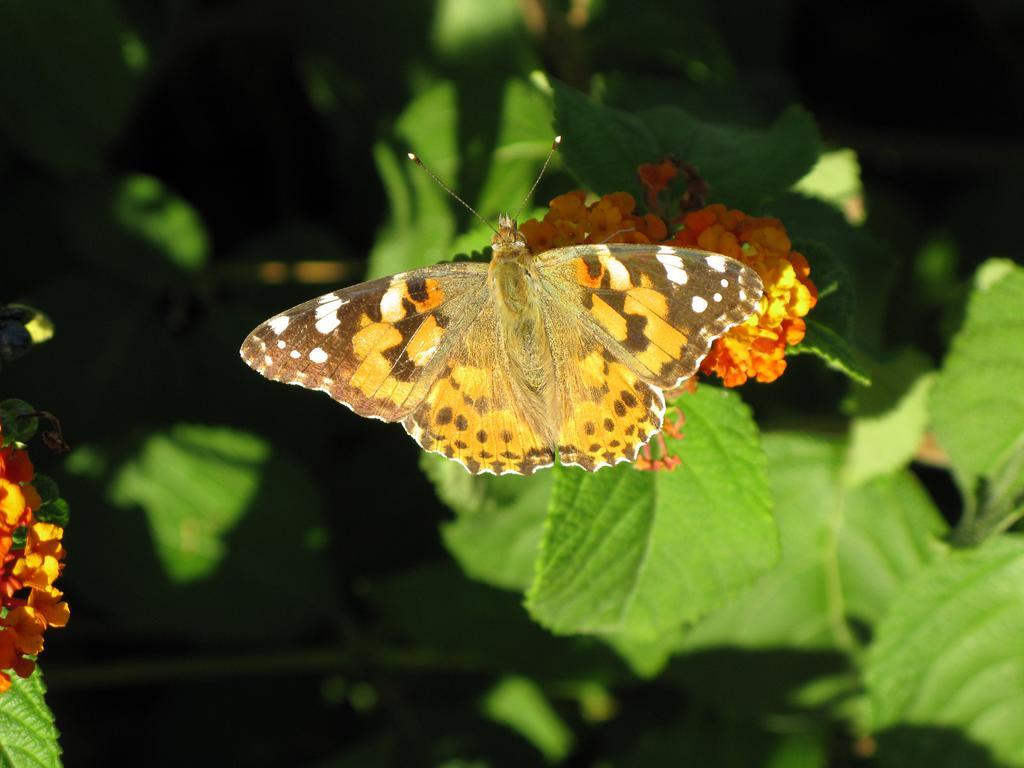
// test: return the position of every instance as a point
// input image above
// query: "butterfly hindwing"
(477, 412)
(376, 347)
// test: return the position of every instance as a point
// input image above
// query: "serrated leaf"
(890, 417)
(520, 704)
(825, 344)
(602, 146)
(947, 655)
(498, 520)
(743, 166)
(65, 91)
(28, 737)
(846, 554)
(977, 405)
(639, 553)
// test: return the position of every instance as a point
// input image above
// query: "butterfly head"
(508, 241)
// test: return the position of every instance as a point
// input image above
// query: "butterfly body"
(499, 366)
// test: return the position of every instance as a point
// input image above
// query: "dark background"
(263, 116)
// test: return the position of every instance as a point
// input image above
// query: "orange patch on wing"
(611, 424)
(425, 341)
(608, 318)
(584, 276)
(434, 295)
(368, 345)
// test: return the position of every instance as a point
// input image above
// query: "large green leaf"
(948, 655)
(28, 737)
(978, 401)
(743, 166)
(639, 553)
(846, 554)
(601, 146)
(65, 89)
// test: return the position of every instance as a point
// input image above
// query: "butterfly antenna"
(554, 148)
(446, 188)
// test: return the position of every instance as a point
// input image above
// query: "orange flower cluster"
(570, 221)
(29, 603)
(754, 349)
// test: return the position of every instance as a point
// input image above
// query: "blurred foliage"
(258, 577)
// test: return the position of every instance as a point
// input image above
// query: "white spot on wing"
(716, 262)
(673, 265)
(328, 323)
(326, 298)
(328, 308)
(717, 297)
(317, 355)
(725, 283)
(294, 354)
(391, 305)
(278, 324)
(618, 275)
(281, 344)
(743, 295)
(699, 303)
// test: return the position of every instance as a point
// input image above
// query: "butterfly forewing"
(376, 347)
(657, 308)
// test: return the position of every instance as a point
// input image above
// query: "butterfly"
(500, 365)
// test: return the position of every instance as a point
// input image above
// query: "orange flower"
(15, 465)
(28, 597)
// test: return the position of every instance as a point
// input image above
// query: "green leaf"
(835, 178)
(15, 423)
(28, 737)
(602, 147)
(836, 300)
(890, 417)
(639, 553)
(947, 655)
(65, 91)
(519, 703)
(523, 143)
(846, 553)
(498, 520)
(195, 484)
(824, 343)
(210, 518)
(424, 217)
(743, 166)
(56, 511)
(977, 405)
(138, 230)
(46, 487)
